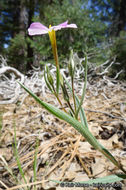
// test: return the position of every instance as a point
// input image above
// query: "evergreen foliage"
(17, 52)
(97, 21)
(119, 50)
(9, 14)
(113, 12)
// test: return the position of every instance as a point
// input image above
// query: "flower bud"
(48, 79)
(64, 90)
(71, 64)
(61, 80)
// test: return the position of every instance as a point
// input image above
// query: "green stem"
(82, 113)
(57, 78)
(70, 107)
(72, 80)
(57, 97)
(84, 88)
(52, 36)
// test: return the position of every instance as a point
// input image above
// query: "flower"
(36, 28)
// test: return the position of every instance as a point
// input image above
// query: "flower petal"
(71, 26)
(37, 28)
(63, 25)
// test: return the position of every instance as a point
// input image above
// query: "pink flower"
(37, 28)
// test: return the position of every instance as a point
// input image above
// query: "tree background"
(101, 31)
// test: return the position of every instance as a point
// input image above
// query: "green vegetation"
(81, 126)
(100, 27)
(119, 50)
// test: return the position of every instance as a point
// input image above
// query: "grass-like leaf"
(57, 79)
(84, 89)
(47, 83)
(9, 170)
(103, 180)
(35, 163)
(77, 125)
(17, 157)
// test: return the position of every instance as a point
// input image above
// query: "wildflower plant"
(75, 112)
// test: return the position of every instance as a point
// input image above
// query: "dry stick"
(59, 161)
(31, 154)
(56, 95)
(47, 167)
(84, 166)
(50, 144)
(122, 71)
(106, 69)
(3, 184)
(25, 185)
(66, 164)
(68, 103)
(60, 103)
(106, 114)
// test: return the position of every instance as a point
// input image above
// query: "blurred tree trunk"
(16, 17)
(23, 19)
(31, 9)
(23, 22)
(27, 9)
(122, 16)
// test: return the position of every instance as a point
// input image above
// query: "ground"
(62, 153)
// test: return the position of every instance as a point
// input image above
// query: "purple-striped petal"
(37, 28)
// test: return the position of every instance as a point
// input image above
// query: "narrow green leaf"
(35, 163)
(57, 79)
(71, 65)
(47, 83)
(103, 180)
(82, 113)
(17, 157)
(77, 125)
(84, 89)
